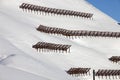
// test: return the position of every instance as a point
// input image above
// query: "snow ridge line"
(2, 58)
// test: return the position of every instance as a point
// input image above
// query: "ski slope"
(18, 60)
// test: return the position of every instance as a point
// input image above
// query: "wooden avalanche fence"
(79, 71)
(61, 48)
(46, 47)
(100, 73)
(36, 8)
(115, 59)
(105, 73)
(77, 33)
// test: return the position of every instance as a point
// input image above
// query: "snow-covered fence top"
(54, 10)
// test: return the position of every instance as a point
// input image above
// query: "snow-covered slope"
(18, 34)
(17, 74)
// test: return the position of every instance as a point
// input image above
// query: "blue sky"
(110, 7)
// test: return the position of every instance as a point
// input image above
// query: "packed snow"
(18, 60)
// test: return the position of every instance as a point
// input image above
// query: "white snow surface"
(19, 61)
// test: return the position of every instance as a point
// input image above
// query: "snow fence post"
(93, 74)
